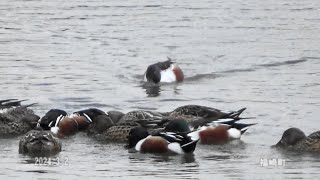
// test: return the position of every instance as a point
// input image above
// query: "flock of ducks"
(178, 131)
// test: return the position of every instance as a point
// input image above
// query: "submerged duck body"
(167, 71)
(39, 143)
(294, 139)
(16, 119)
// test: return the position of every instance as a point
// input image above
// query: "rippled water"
(263, 55)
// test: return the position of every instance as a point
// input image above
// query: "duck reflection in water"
(182, 158)
(154, 90)
(151, 89)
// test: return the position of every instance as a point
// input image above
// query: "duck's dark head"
(39, 143)
(135, 135)
(290, 137)
(49, 119)
(153, 73)
(178, 125)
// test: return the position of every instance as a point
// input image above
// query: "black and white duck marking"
(166, 71)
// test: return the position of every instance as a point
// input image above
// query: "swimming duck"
(137, 115)
(70, 124)
(216, 132)
(209, 113)
(167, 71)
(39, 143)
(294, 139)
(16, 119)
(62, 124)
(100, 120)
(119, 132)
(139, 140)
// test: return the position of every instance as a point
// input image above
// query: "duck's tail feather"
(6, 100)
(236, 114)
(28, 105)
(11, 103)
(243, 127)
(189, 147)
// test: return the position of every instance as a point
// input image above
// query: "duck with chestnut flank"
(70, 124)
(216, 132)
(167, 71)
(139, 140)
(62, 124)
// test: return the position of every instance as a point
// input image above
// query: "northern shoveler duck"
(209, 113)
(293, 139)
(141, 115)
(167, 71)
(120, 131)
(62, 124)
(93, 113)
(117, 133)
(140, 141)
(16, 119)
(39, 143)
(101, 121)
(70, 124)
(212, 133)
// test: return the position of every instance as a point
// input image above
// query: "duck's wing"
(8, 103)
(140, 115)
(315, 135)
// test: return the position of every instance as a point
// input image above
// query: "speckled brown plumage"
(293, 139)
(17, 120)
(117, 133)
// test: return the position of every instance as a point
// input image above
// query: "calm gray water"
(76, 54)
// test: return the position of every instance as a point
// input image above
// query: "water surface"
(78, 54)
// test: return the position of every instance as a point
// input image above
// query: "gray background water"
(75, 54)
